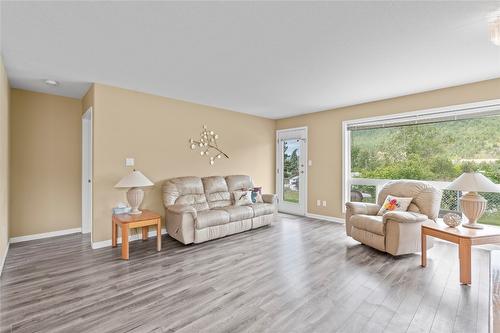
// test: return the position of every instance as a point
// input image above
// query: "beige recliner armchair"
(394, 232)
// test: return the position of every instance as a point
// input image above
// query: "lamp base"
(134, 197)
(473, 206)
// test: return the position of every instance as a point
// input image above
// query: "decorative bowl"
(452, 220)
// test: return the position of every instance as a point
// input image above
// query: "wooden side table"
(465, 238)
(128, 221)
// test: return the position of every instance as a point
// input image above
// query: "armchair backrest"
(426, 198)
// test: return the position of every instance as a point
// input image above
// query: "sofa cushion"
(239, 182)
(210, 218)
(260, 209)
(185, 191)
(238, 213)
(216, 191)
(371, 223)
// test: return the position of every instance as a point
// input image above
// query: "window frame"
(452, 110)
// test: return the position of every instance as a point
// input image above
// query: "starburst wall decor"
(208, 145)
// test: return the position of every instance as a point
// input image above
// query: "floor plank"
(299, 275)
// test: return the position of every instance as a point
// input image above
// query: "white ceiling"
(272, 59)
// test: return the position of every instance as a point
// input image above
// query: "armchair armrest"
(269, 198)
(181, 209)
(364, 208)
(405, 217)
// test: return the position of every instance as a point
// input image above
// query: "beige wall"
(45, 163)
(325, 134)
(155, 131)
(4, 162)
(46, 149)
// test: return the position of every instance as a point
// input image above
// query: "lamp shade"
(473, 182)
(135, 179)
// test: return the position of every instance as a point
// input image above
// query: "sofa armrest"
(181, 209)
(180, 221)
(269, 198)
(405, 217)
(364, 208)
(355, 208)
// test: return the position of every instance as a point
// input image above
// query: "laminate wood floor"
(299, 275)
(495, 289)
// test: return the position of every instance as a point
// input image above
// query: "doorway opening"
(87, 172)
(291, 170)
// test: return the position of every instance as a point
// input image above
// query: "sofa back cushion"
(185, 190)
(426, 198)
(216, 192)
(238, 183)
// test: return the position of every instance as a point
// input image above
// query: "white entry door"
(291, 171)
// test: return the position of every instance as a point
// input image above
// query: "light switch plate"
(310, 163)
(129, 161)
(324, 203)
(318, 202)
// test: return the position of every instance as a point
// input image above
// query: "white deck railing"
(379, 183)
(449, 203)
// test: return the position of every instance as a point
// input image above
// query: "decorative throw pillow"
(256, 197)
(242, 198)
(392, 203)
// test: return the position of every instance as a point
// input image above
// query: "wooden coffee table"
(465, 238)
(128, 221)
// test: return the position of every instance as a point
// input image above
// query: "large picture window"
(436, 145)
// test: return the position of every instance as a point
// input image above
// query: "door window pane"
(291, 156)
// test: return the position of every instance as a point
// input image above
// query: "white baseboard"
(326, 218)
(2, 260)
(45, 235)
(131, 238)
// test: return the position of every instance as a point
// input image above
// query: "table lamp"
(473, 204)
(135, 194)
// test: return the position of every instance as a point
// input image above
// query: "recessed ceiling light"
(53, 83)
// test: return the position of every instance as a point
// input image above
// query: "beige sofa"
(201, 209)
(395, 232)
